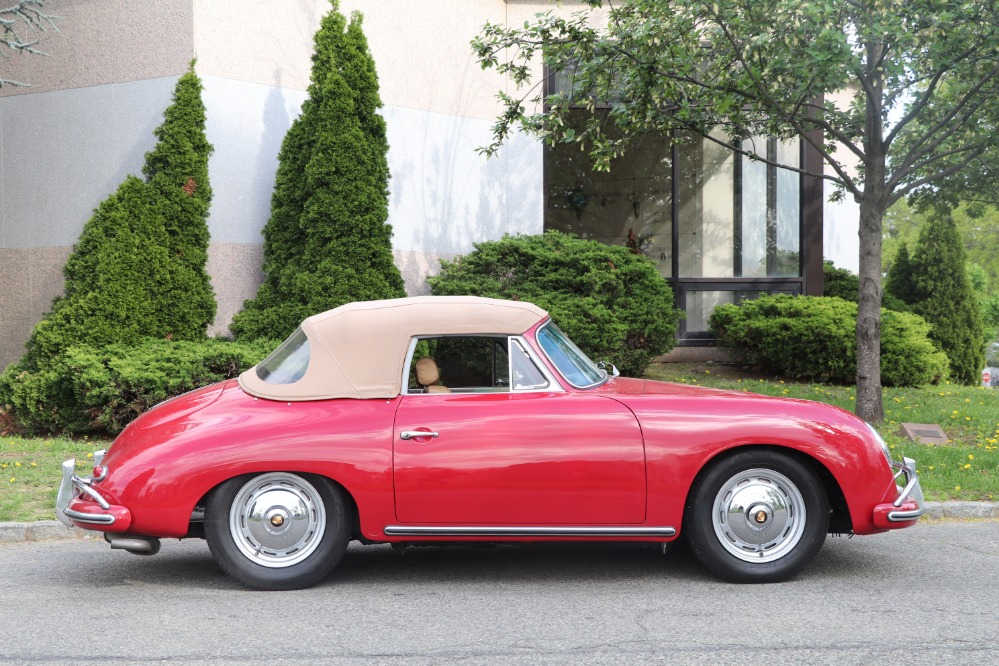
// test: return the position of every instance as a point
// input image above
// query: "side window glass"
(526, 375)
(460, 364)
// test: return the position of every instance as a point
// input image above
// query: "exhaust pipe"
(140, 545)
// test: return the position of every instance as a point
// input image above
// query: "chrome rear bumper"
(71, 486)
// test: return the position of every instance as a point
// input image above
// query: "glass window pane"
(574, 365)
(629, 205)
(754, 209)
(787, 262)
(706, 184)
(288, 363)
(526, 375)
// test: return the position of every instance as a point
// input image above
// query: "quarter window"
(288, 363)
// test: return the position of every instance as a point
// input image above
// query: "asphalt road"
(926, 595)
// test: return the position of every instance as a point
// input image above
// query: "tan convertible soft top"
(358, 350)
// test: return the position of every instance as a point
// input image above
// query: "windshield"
(574, 365)
(288, 363)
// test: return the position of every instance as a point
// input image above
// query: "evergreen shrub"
(327, 241)
(814, 338)
(612, 303)
(100, 390)
(934, 282)
(138, 269)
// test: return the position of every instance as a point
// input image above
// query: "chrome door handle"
(412, 434)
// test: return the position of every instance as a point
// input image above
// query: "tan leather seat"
(428, 374)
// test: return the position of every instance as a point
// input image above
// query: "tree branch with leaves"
(905, 87)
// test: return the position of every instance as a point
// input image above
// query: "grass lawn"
(967, 468)
(30, 471)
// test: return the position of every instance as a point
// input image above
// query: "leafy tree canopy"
(904, 89)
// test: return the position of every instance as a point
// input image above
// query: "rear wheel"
(277, 531)
(757, 516)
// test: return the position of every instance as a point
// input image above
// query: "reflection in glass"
(786, 260)
(288, 363)
(700, 304)
(526, 375)
(706, 201)
(574, 365)
(629, 205)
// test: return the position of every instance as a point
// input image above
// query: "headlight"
(880, 440)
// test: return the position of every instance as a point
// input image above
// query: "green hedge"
(814, 338)
(100, 390)
(612, 303)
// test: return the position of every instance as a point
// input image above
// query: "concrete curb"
(53, 530)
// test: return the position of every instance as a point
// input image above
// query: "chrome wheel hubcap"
(758, 515)
(277, 520)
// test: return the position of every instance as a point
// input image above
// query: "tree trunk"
(869, 404)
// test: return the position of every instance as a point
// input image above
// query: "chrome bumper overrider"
(910, 492)
(70, 487)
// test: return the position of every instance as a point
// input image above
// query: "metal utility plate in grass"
(924, 433)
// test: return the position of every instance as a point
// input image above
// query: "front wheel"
(757, 517)
(277, 531)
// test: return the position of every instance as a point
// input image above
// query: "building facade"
(720, 228)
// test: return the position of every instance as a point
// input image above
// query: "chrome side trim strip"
(505, 531)
(92, 518)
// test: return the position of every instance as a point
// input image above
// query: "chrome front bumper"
(906, 509)
(71, 487)
(911, 492)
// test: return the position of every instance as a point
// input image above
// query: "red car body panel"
(519, 459)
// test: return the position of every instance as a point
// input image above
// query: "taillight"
(100, 471)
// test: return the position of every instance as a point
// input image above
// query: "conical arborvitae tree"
(941, 293)
(138, 269)
(900, 282)
(327, 242)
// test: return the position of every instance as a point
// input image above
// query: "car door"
(506, 455)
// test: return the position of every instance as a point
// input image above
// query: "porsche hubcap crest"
(758, 515)
(277, 520)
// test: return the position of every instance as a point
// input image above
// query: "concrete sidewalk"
(51, 530)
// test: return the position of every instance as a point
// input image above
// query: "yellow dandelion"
(930, 467)
(90, 455)
(967, 466)
(971, 456)
(17, 464)
(957, 487)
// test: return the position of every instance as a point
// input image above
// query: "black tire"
(756, 516)
(277, 531)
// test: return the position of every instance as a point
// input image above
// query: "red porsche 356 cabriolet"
(444, 419)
